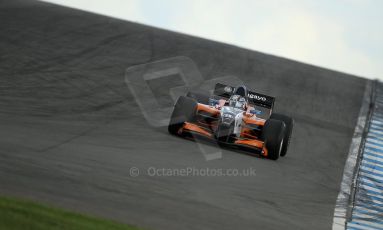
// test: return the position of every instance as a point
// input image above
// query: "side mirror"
(213, 102)
(255, 111)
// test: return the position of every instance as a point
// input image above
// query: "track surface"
(70, 128)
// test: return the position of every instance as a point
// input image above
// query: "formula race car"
(233, 116)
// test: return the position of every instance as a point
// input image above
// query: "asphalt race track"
(70, 129)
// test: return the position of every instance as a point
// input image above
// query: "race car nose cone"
(226, 121)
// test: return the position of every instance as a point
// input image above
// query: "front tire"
(289, 122)
(273, 134)
(184, 111)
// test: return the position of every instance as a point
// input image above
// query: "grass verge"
(21, 214)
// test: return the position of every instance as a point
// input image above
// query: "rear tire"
(289, 122)
(184, 111)
(201, 96)
(273, 134)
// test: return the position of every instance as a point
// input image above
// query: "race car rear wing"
(254, 98)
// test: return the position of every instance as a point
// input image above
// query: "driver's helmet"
(237, 101)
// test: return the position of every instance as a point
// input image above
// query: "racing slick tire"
(273, 134)
(184, 111)
(200, 96)
(289, 122)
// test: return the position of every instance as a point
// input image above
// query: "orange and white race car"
(233, 116)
